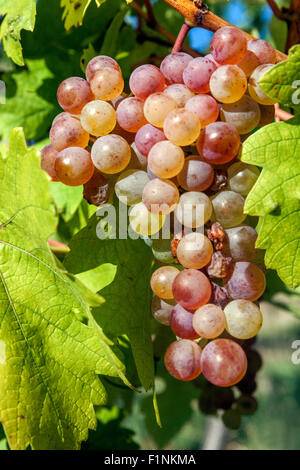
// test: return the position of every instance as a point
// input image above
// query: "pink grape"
(74, 166)
(194, 250)
(228, 45)
(160, 196)
(162, 280)
(263, 50)
(181, 323)
(219, 143)
(96, 191)
(73, 94)
(180, 93)
(192, 289)
(173, 66)
(48, 157)
(161, 309)
(240, 242)
(228, 84)
(130, 114)
(107, 84)
(182, 360)
(197, 74)
(98, 63)
(146, 137)
(223, 362)
(111, 154)
(165, 159)
(68, 132)
(63, 116)
(209, 321)
(246, 282)
(249, 63)
(196, 175)
(206, 108)
(145, 80)
(182, 127)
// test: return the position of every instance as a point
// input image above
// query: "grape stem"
(180, 38)
(281, 114)
(58, 247)
(276, 10)
(151, 17)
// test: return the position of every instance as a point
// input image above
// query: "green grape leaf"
(18, 15)
(111, 36)
(282, 82)
(49, 360)
(127, 307)
(88, 54)
(276, 195)
(67, 199)
(74, 12)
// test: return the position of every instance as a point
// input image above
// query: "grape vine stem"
(180, 38)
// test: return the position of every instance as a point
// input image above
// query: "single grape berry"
(182, 360)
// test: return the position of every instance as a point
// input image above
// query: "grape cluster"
(170, 150)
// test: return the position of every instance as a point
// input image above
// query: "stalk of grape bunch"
(168, 147)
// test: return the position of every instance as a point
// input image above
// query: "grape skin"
(182, 360)
(144, 222)
(194, 209)
(107, 84)
(146, 80)
(228, 208)
(228, 45)
(146, 137)
(246, 282)
(99, 62)
(160, 196)
(73, 94)
(162, 280)
(96, 191)
(98, 118)
(180, 93)
(130, 114)
(228, 84)
(253, 87)
(48, 157)
(218, 143)
(68, 132)
(243, 114)
(181, 323)
(182, 127)
(130, 185)
(157, 107)
(195, 175)
(174, 65)
(194, 250)
(241, 242)
(242, 177)
(206, 108)
(111, 154)
(223, 362)
(161, 309)
(165, 159)
(197, 74)
(249, 63)
(264, 51)
(243, 319)
(191, 289)
(209, 321)
(74, 166)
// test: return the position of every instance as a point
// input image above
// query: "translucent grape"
(160, 196)
(263, 50)
(73, 94)
(243, 319)
(130, 185)
(161, 309)
(161, 250)
(219, 143)
(146, 137)
(74, 166)
(182, 360)
(228, 84)
(107, 84)
(173, 66)
(98, 118)
(246, 282)
(223, 362)
(98, 63)
(194, 209)
(241, 242)
(144, 222)
(145, 80)
(228, 208)
(48, 157)
(206, 108)
(68, 132)
(162, 280)
(182, 127)
(194, 250)
(228, 45)
(96, 191)
(181, 323)
(157, 107)
(197, 74)
(180, 93)
(242, 177)
(243, 114)
(111, 154)
(192, 289)
(267, 115)
(254, 89)
(165, 159)
(209, 321)
(196, 175)
(63, 116)
(249, 63)
(130, 114)
(210, 57)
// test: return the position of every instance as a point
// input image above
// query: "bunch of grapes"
(170, 150)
